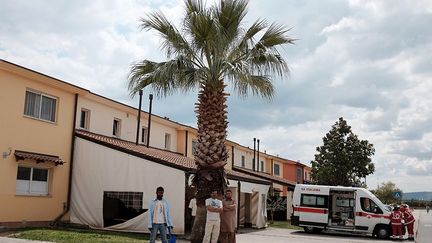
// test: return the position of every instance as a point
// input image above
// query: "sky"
(369, 62)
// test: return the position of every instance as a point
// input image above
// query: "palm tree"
(210, 49)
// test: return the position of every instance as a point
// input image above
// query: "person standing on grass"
(228, 219)
(212, 227)
(159, 217)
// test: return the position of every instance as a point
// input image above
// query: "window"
(243, 161)
(369, 205)
(276, 169)
(344, 202)
(316, 201)
(32, 181)
(116, 127)
(299, 173)
(119, 207)
(167, 141)
(40, 106)
(262, 166)
(194, 147)
(144, 135)
(85, 119)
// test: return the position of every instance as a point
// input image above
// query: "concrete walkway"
(13, 240)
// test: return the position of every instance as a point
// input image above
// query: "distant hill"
(418, 196)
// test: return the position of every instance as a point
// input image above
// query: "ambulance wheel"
(312, 230)
(382, 232)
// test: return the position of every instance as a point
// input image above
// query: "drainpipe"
(271, 164)
(66, 207)
(232, 157)
(187, 175)
(139, 116)
(253, 164)
(149, 119)
(258, 165)
(238, 204)
(186, 144)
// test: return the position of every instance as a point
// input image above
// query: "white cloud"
(365, 60)
(343, 24)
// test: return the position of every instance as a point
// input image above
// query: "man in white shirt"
(193, 207)
(212, 228)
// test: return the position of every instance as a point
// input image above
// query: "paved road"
(424, 227)
(274, 235)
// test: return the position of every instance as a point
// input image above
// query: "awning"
(39, 158)
(274, 179)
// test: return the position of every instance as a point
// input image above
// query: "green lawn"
(283, 225)
(77, 235)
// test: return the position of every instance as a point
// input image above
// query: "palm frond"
(255, 84)
(230, 14)
(173, 42)
(245, 42)
(275, 35)
(164, 77)
(212, 45)
(265, 63)
(245, 81)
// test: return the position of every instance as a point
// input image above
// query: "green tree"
(385, 192)
(343, 159)
(210, 48)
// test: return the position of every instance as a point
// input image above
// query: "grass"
(283, 225)
(77, 235)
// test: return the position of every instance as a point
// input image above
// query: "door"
(367, 215)
(342, 209)
(313, 209)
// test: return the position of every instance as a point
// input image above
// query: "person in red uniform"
(396, 222)
(409, 221)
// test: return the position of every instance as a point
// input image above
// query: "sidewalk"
(13, 240)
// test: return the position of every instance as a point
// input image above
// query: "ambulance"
(349, 209)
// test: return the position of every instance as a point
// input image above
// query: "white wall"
(103, 114)
(238, 152)
(98, 169)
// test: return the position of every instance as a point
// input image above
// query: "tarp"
(98, 169)
(257, 203)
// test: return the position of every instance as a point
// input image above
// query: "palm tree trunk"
(211, 154)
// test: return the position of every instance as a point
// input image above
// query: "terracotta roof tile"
(158, 155)
(275, 179)
(21, 155)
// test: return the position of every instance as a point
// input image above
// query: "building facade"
(40, 118)
(36, 128)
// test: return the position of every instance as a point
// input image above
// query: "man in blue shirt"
(159, 217)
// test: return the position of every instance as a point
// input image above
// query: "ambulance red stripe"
(311, 210)
(363, 214)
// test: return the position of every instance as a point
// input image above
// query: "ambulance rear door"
(314, 207)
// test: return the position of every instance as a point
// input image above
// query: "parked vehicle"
(388, 207)
(348, 209)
